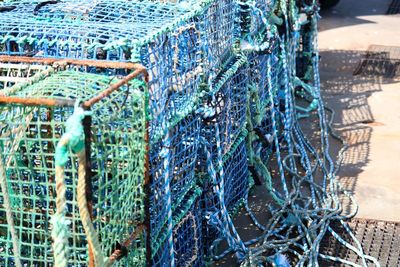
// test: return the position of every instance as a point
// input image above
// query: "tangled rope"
(298, 222)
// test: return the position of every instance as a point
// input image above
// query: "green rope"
(74, 132)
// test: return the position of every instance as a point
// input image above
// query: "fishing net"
(116, 151)
(174, 41)
(187, 240)
(304, 188)
(236, 187)
(228, 85)
(181, 157)
(225, 106)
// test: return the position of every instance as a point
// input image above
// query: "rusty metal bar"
(89, 103)
(147, 201)
(32, 101)
(87, 124)
(83, 62)
(59, 102)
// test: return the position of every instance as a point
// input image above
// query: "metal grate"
(394, 8)
(380, 239)
(380, 61)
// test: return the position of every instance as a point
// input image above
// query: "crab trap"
(73, 166)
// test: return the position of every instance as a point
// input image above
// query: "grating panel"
(380, 60)
(394, 8)
(380, 239)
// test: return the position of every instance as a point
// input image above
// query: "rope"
(60, 232)
(166, 155)
(87, 223)
(73, 139)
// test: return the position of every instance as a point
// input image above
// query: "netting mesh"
(221, 100)
(186, 233)
(183, 159)
(29, 136)
(236, 186)
(173, 40)
(226, 103)
(11, 73)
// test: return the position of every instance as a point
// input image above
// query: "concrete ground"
(367, 108)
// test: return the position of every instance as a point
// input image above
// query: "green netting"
(28, 138)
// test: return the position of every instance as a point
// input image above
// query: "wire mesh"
(29, 135)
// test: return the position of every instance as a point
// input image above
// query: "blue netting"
(225, 107)
(261, 80)
(183, 151)
(221, 32)
(265, 74)
(174, 41)
(188, 243)
(187, 234)
(84, 29)
(236, 186)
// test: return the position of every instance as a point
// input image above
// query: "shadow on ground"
(348, 95)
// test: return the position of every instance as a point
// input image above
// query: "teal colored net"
(29, 137)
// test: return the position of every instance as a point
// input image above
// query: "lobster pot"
(172, 40)
(236, 186)
(187, 235)
(115, 142)
(172, 166)
(224, 110)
